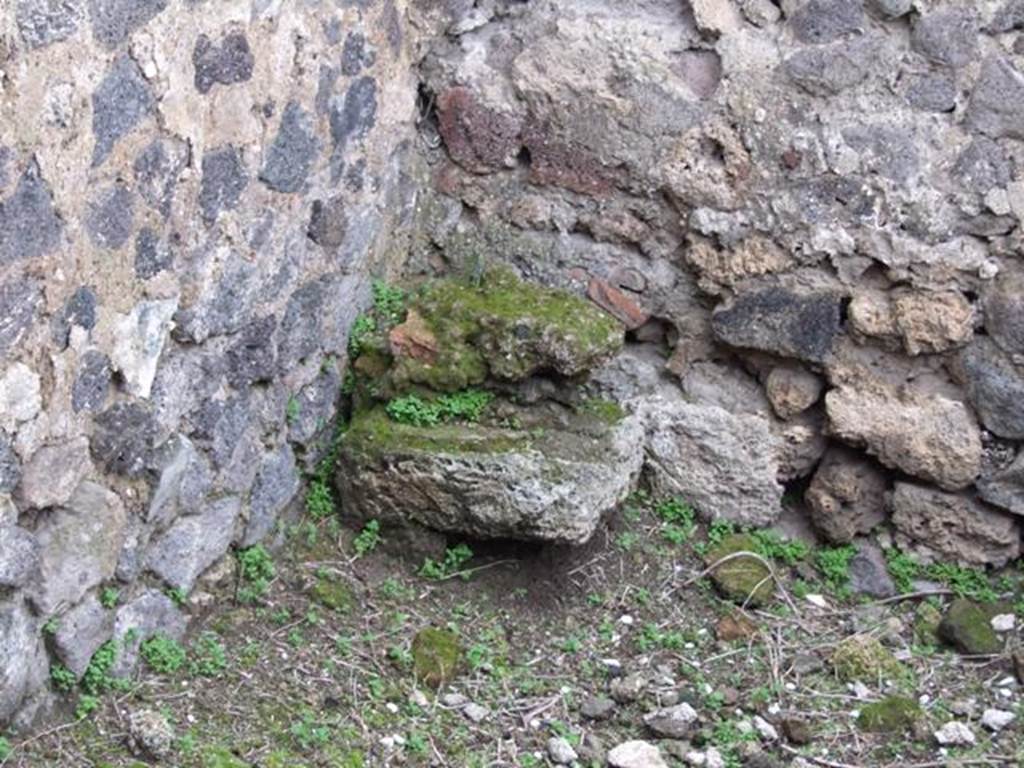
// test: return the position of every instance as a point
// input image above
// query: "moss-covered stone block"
(966, 626)
(743, 579)
(503, 328)
(436, 656)
(332, 592)
(893, 714)
(864, 658)
(926, 624)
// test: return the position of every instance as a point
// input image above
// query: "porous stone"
(956, 526)
(293, 152)
(19, 556)
(78, 546)
(124, 437)
(846, 497)
(489, 482)
(30, 226)
(121, 101)
(996, 107)
(194, 543)
(955, 734)
(932, 91)
(636, 754)
(478, 137)
(723, 464)
(674, 722)
(53, 473)
(80, 633)
(20, 398)
(328, 223)
(947, 36)
(792, 390)
(925, 435)
(89, 390)
(228, 61)
(831, 69)
(1005, 488)
(150, 734)
(277, 483)
(1003, 303)
(995, 387)
(224, 180)
(932, 322)
(781, 321)
(42, 22)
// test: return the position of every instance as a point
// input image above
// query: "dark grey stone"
(299, 332)
(884, 150)
(221, 425)
(276, 485)
(328, 223)
(996, 107)
(114, 20)
(1005, 487)
(932, 92)
(19, 302)
(995, 387)
(124, 438)
(42, 22)
(293, 152)
(157, 169)
(184, 481)
(224, 180)
(357, 55)
(1003, 303)
(325, 89)
(89, 391)
(228, 62)
(152, 255)
(109, 217)
(253, 357)
(356, 113)
(949, 37)
(1009, 18)
(194, 543)
(6, 159)
(778, 320)
(830, 69)
(355, 175)
(23, 661)
(80, 310)
(10, 466)
(332, 30)
(315, 406)
(120, 102)
(392, 22)
(869, 574)
(822, 21)
(983, 165)
(29, 224)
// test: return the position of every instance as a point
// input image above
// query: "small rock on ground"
(636, 754)
(954, 734)
(149, 734)
(597, 707)
(671, 722)
(996, 719)
(560, 751)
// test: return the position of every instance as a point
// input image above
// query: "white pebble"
(996, 719)
(817, 600)
(954, 734)
(765, 729)
(1004, 622)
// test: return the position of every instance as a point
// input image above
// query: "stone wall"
(813, 206)
(192, 197)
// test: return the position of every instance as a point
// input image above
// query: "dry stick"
(469, 571)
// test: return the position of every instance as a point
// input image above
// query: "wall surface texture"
(814, 207)
(192, 194)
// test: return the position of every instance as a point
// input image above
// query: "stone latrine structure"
(812, 207)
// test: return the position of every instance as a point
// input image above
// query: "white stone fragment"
(955, 734)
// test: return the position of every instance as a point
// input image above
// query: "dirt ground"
(320, 668)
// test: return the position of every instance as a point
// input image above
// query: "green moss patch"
(893, 714)
(966, 626)
(373, 432)
(864, 658)
(333, 593)
(743, 579)
(436, 655)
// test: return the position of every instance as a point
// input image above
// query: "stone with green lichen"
(893, 714)
(966, 626)
(505, 329)
(331, 592)
(436, 655)
(926, 624)
(743, 579)
(864, 658)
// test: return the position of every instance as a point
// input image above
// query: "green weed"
(368, 539)
(467, 405)
(63, 679)
(97, 679)
(834, 564)
(163, 654)
(389, 301)
(109, 597)
(454, 559)
(361, 328)
(256, 569)
(209, 658)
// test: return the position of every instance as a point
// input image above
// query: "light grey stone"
(194, 543)
(277, 483)
(996, 107)
(151, 613)
(80, 633)
(674, 722)
(19, 556)
(723, 464)
(42, 22)
(79, 545)
(1005, 488)
(184, 482)
(114, 20)
(560, 751)
(23, 664)
(141, 335)
(20, 398)
(636, 754)
(10, 467)
(53, 473)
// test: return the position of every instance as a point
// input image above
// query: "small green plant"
(368, 538)
(63, 679)
(5, 748)
(109, 597)
(903, 569)
(467, 405)
(209, 658)
(255, 569)
(308, 734)
(87, 704)
(678, 520)
(292, 410)
(319, 499)
(51, 626)
(177, 595)
(454, 558)
(361, 328)
(389, 301)
(834, 564)
(965, 582)
(97, 678)
(163, 654)
(772, 546)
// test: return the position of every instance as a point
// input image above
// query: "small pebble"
(453, 700)
(955, 734)
(476, 712)
(1004, 622)
(996, 719)
(560, 751)
(765, 729)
